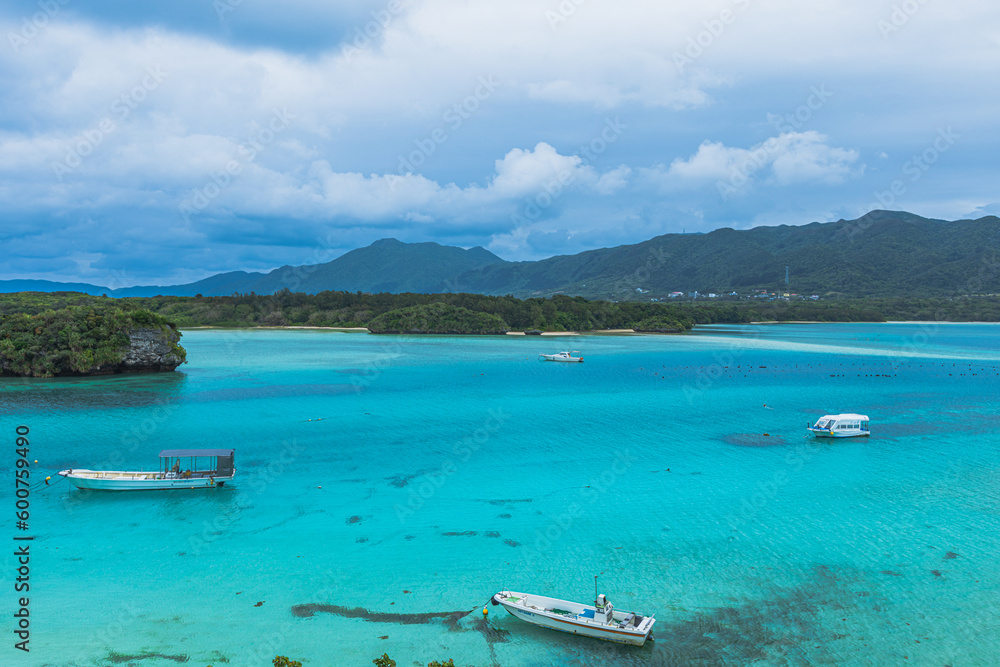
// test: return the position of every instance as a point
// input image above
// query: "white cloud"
(613, 181)
(805, 156)
(789, 158)
(320, 192)
(522, 173)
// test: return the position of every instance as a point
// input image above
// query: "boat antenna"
(595, 589)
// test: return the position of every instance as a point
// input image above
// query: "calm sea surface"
(387, 486)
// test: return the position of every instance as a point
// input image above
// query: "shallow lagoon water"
(387, 485)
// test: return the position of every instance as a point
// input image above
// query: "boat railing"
(200, 474)
(113, 474)
(144, 475)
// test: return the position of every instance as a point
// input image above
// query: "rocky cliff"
(97, 338)
(148, 350)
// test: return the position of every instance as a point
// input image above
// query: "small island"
(42, 337)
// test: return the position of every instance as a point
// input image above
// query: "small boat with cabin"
(562, 356)
(179, 469)
(600, 620)
(840, 426)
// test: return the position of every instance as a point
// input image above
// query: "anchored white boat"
(840, 426)
(600, 621)
(179, 469)
(561, 356)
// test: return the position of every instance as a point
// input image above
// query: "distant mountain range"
(387, 265)
(884, 253)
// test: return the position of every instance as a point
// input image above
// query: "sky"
(160, 143)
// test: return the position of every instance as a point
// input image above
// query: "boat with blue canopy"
(179, 469)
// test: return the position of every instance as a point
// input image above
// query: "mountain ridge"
(880, 254)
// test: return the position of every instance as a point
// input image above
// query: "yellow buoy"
(485, 610)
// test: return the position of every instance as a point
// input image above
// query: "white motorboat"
(600, 621)
(561, 356)
(179, 469)
(840, 426)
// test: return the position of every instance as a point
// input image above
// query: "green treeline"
(43, 335)
(939, 309)
(465, 313)
(392, 312)
(557, 313)
(92, 325)
(437, 318)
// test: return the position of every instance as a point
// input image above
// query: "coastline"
(602, 332)
(291, 326)
(365, 330)
(872, 322)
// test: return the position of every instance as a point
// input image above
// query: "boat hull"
(569, 624)
(552, 357)
(137, 481)
(823, 433)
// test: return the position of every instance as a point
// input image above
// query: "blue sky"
(161, 143)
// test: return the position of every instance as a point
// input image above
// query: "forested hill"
(384, 266)
(882, 254)
(387, 265)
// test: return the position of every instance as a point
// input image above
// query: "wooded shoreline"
(70, 333)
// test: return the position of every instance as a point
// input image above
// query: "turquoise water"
(386, 486)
